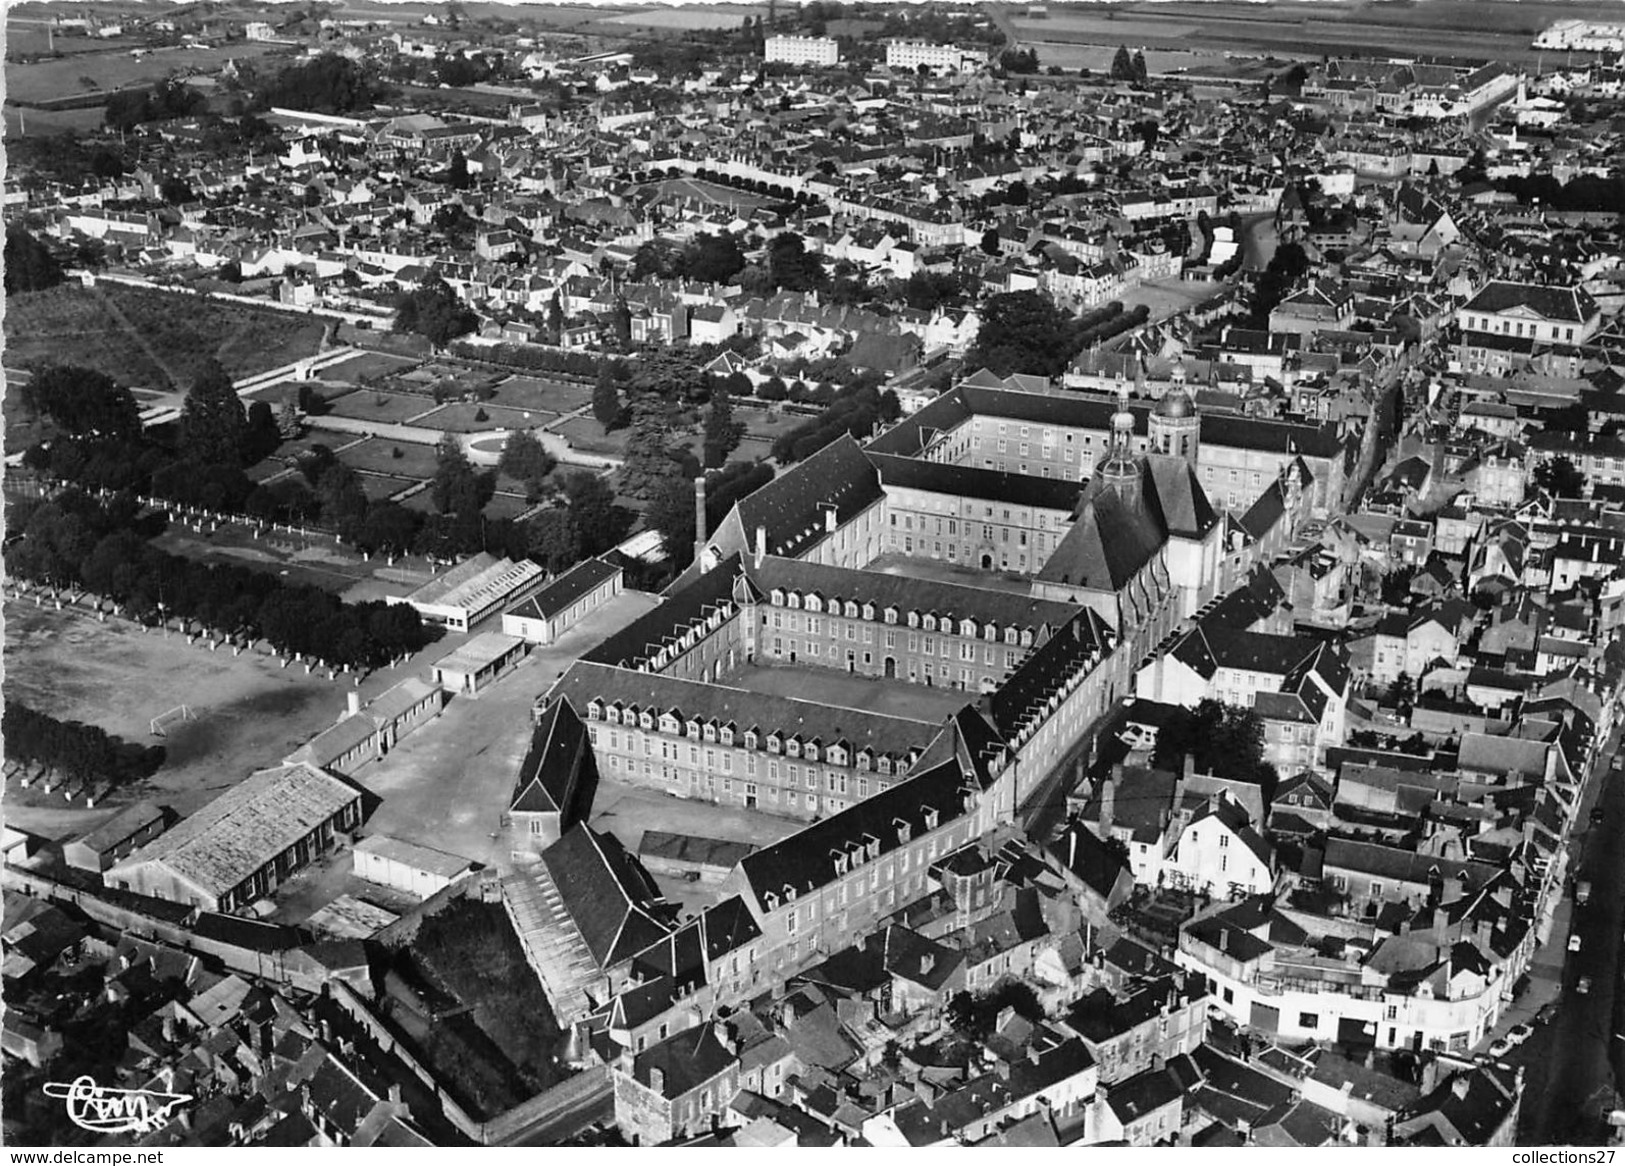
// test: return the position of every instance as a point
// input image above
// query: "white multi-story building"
(911, 54)
(803, 50)
(1583, 36)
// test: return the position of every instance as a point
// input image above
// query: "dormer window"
(778, 597)
(647, 720)
(871, 844)
(837, 756)
(904, 831)
(967, 628)
(930, 623)
(727, 736)
(710, 732)
(810, 751)
(1027, 638)
(793, 747)
(813, 603)
(774, 744)
(771, 900)
(668, 724)
(750, 738)
(841, 861)
(891, 615)
(865, 760)
(1011, 636)
(885, 764)
(930, 815)
(851, 610)
(595, 711)
(990, 633)
(693, 730)
(869, 611)
(789, 893)
(793, 599)
(913, 619)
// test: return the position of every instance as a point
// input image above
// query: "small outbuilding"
(419, 871)
(474, 590)
(563, 603)
(118, 836)
(478, 663)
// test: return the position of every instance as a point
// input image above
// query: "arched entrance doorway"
(891, 668)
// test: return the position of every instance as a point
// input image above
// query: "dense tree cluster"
(83, 401)
(1286, 267)
(30, 266)
(327, 84)
(1019, 61)
(1027, 332)
(1560, 477)
(169, 98)
(728, 485)
(1583, 192)
(432, 310)
(707, 258)
(722, 432)
(76, 751)
(856, 409)
(1225, 739)
(74, 540)
(526, 461)
(533, 358)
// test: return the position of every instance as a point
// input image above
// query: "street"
(1573, 1062)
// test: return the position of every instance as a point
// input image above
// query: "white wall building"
(911, 54)
(803, 50)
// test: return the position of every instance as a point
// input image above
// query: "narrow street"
(1572, 1062)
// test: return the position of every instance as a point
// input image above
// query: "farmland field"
(696, 17)
(75, 75)
(173, 334)
(1477, 29)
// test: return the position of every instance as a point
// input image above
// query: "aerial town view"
(814, 574)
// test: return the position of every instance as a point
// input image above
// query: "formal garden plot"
(537, 394)
(400, 459)
(384, 408)
(366, 365)
(463, 417)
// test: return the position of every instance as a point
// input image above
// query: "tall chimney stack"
(352, 702)
(761, 544)
(699, 517)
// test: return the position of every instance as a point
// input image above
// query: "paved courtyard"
(447, 784)
(893, 698)
(894, 564)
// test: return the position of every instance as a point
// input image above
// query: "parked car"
(1574, 943)
(1500, 1049)
(1584, 986)
(1596, 815)
(1519, 1033)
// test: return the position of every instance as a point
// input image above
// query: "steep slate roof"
(805, 861)
(791, 506)
(606, 893)
(558, 595)
(909, 593)
(1078, 850)
(686, 603)
(976, 482)
(1552, 303)
(228, 839)
(1108, 544)
(766, 713)
(559, 760)
(686, 1061)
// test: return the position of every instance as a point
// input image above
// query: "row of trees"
(167, 99)
(76, 751)
(1027, 332)
(532, 358)
(74, 540)
(857, 409)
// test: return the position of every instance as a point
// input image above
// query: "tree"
(1019, 61)
(174, 190)
(83, 401)
(526, 461)
(1224, 739)
(1559, 477)
(262, 435)
(456, 488)
(791, 267)
(990, 241)
(1123, 65)
(1402, 692)
(457, 175)
(623, 323)
(606, 400)
(555, 318)
(30, 266)
(671, 512)
(1139, 67)
(592, 507)
(648, 460)
(553, 539)
(1021, 332)
(288, 424)
(714, 258)
(327, 84)
(213, 423)
(722, 432)
(433, 310)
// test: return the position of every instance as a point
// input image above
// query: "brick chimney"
(699, 516)
(1108, 801)
(761, 544)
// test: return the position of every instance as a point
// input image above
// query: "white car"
(1518, 1033)
(1500, 1048)
(1574, 943)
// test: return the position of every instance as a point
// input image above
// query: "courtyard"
(872, 694)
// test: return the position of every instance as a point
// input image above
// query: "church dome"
(1176, 402)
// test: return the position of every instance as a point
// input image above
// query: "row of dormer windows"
(930, 621)
(789, 746)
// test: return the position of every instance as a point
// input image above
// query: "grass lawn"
(376, 455)
(535, 394)
(378, 487)
(587, 435)
(506, 506)
(367, 364)
(463, 417)
(77, 74)
(752, 449)
(275, 394)
(385, 408)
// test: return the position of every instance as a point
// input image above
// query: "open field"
(173, 334)
(382, 407)
(550, 16)
(1473, 29)
(78, 74)
(828, 686)
(250, 712)
(37, 123)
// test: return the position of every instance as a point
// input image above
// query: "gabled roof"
(791, 507)
(606, 893)
(557, 764)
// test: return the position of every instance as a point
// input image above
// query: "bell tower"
(1176, 429)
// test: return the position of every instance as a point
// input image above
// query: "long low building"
(559, 606)
(246, 842)
(475, 590)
